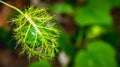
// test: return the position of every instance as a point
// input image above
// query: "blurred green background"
(90, 34)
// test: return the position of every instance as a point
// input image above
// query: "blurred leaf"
(3, 34)
(96, 54)
(64, 43)
(95, 31)
(112, 37)
(95, 12)
(72, 2)
(40, 64)
(6, 39)
(3, 38)
(62, 8)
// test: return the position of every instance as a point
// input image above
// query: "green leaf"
(3, 34)
(96, 54)
(40, 64)
(64, 44)
(95, 12)
(6, 39)
(95, 31)
(62, 8)
(112, 37)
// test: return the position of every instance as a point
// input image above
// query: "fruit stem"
(25, 15)
(12, 7)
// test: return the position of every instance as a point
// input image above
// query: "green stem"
(25, 15)
(12, 7)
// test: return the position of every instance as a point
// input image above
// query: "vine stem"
(25, 15)
(12, 7)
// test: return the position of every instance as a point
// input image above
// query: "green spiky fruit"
(37, 33)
